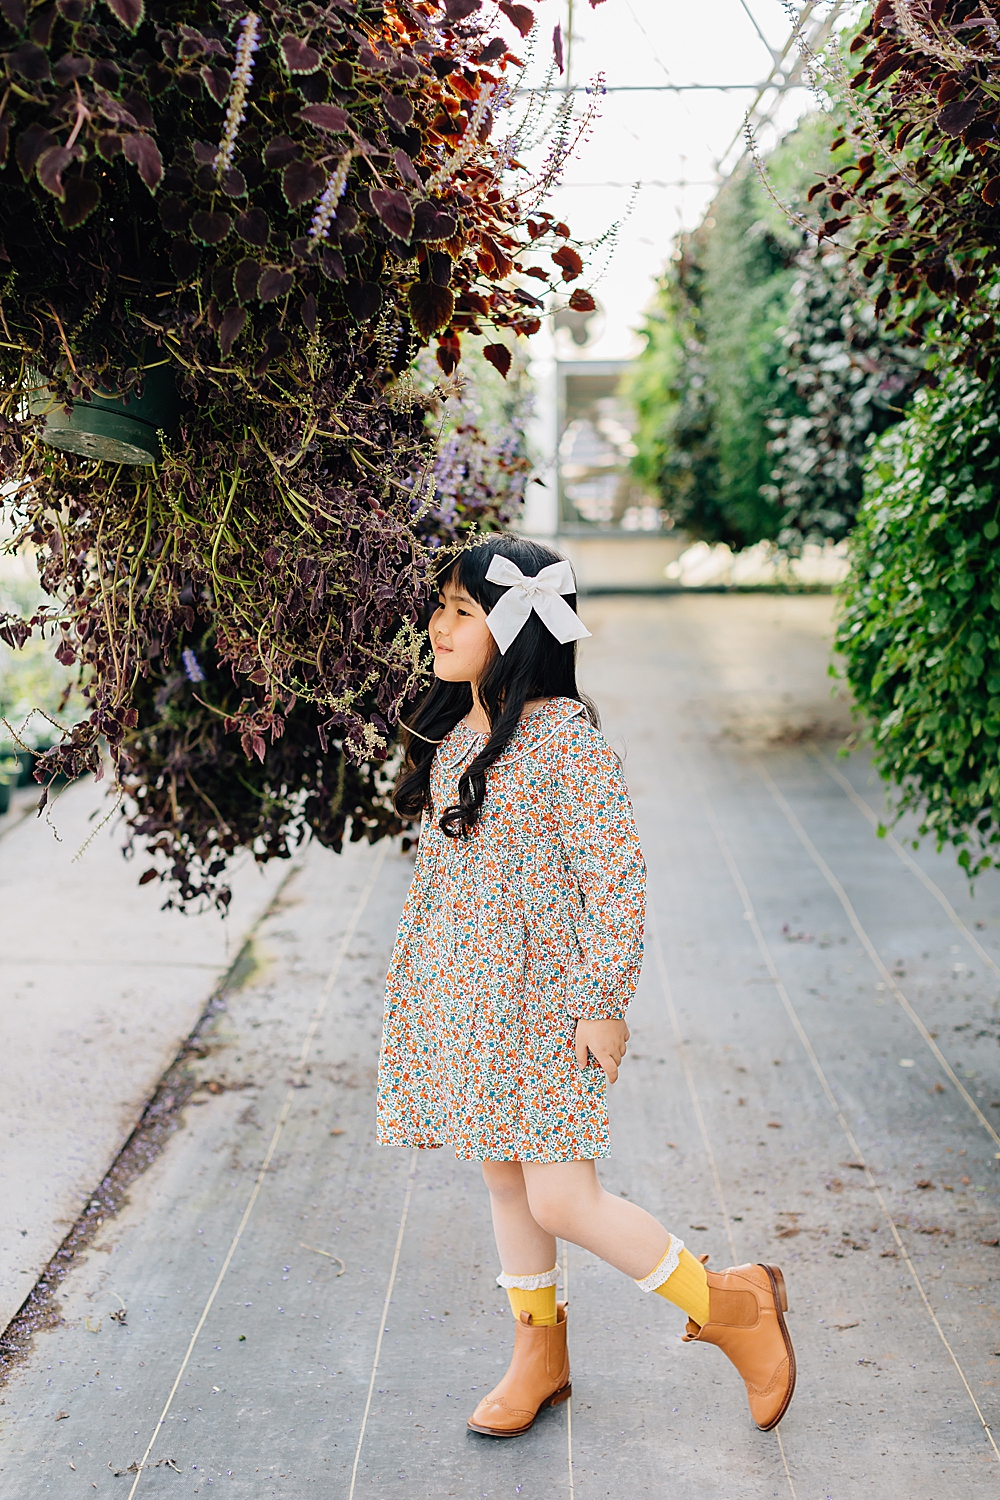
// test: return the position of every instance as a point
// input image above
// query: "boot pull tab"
(526, 1317)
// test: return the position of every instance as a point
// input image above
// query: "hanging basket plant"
(223, 236)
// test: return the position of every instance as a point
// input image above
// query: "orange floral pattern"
(505, 939)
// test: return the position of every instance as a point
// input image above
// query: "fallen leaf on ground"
(858, 1166)
(924, 1182)
(60, 1415)
(990, 1242)
(338, 1131)
(843, 1327)
(774, 1125)
(788, 1231)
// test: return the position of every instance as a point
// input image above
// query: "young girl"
(518, 951)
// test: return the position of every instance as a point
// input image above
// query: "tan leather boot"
(538, 1376)
(746, 1304)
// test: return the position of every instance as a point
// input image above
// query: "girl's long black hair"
(534, 666)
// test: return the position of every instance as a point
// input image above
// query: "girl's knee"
(504, 1179)
(552, 1207)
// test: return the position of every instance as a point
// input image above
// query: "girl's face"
(459, 635)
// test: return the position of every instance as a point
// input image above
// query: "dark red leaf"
(281, 150)
(29, 61)
(568, 262)
(501, 260)
(886, 68)
(233, 183)
(136, 110)
(274, 283)
(956, 117)
(991, 192)
(50, 167)
(498, 356)
(582, 301)
(109, 145)
(557, 47)
(81, 198)
(14, 12)
(325, 117)
(302, 181)
(460, 10)
(41, 25)
(217, 82)
(68, 68)
(129, 12)
(185, 259)
(363, 298)
(147, 876)
(398, 108)
(254, 226)
(276, 344)
(210, 228)
(230, 328)
(245, 278)
(519, 16)
(395, 211)
(298, 56)
(331, 263)
(406, 169)
(430, 307)
(493, 50)
(432, 223)
(448, 355)
(4, 141)
(143, 152)
(307, 313)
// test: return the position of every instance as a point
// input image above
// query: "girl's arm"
(597, 832)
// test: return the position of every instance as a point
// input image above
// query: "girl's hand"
(606, 1040)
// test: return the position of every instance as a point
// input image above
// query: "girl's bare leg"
(525, 1247)
(565, 1198)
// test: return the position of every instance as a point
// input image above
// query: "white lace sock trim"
(528, 1283)
(664, 1269)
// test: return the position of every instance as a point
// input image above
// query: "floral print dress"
(506, 938)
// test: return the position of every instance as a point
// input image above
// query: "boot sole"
(780, 1294)
(556, 1399)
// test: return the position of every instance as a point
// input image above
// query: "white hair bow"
(542, 593)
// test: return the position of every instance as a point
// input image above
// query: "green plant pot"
(111, 428)
(4, 797)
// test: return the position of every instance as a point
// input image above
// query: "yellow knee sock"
(682, 1280)
(531, 1293)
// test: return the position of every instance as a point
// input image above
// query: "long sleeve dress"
(506, 938)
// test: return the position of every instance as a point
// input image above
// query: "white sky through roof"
(676, 139)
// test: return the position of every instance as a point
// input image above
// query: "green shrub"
(920, 626)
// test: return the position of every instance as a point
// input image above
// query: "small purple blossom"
(192, 666)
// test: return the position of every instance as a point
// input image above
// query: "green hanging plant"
(920, 624)
(271, 212)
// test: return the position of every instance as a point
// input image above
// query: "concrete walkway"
(812, 1081)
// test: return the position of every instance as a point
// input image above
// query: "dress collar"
(530, 735)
